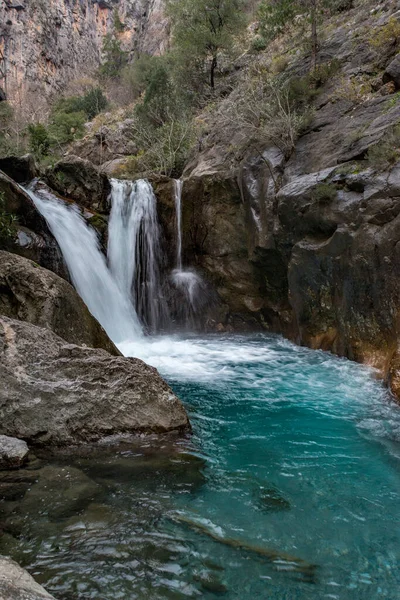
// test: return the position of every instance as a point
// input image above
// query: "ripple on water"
(289, 488)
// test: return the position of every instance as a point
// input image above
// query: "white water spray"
(87, 267)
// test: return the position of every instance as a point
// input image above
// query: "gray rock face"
(79, 180)
(30, 293)
(392, 72)
(17, 584)
(13, 452)
(49, 43)
(57, 393)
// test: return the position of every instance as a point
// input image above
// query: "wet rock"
(271, 500)
(30, 293)
(79, 180)
(34, 239)
(21, 169)
(57, 393)
(13, 452)
(17, 584)
(211, 583)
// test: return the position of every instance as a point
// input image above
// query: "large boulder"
(17, 584)
(78, 179)
(30, 293)
(55, 393)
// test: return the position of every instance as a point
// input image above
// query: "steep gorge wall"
(48, 43)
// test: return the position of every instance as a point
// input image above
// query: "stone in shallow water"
(13, 452)
(17, 584)
(271, 500)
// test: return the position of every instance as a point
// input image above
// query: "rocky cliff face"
(308, 246)
(48, 43)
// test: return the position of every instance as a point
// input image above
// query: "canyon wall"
(46, 44)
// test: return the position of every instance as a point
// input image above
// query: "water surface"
(288, 489)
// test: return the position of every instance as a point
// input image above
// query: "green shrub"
(324, 193)
(386, 152)
(65, 127)
(387, 35)
(8, 222)
(323, 72)
(39, 140)
(259, 43)
(114, 58)
(91, 103)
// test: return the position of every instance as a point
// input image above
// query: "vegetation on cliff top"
(251, 71)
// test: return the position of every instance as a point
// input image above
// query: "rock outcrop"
(21, 169)
(30, 293)
(48, 43)
(78, 179)
(33, 238)
(55, 393)
(17, 584)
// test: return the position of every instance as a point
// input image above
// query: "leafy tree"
(203, 29)
(65, 127)
(39, 140)
(114, 58)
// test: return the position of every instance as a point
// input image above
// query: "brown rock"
(30, 293)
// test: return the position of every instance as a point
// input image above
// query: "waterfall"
(87, 266)
(178, 185)
(134, 250)
(189, 286)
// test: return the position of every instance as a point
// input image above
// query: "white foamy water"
(134, 249)
(87, 267)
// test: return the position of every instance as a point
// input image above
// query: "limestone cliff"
(47, 43)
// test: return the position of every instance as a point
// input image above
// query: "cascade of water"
(134, 250)
(188, 284)
(87, 266)
(178, 185)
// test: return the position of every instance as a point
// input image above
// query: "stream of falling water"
(87, 266)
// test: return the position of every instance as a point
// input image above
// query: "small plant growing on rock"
(388, 35)
(386, 152)
(8, 229)
(324, 193)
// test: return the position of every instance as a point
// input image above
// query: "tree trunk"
(212, 71)
(314, 35)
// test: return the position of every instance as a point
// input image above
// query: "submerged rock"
(17, 584)
(55, 393)
(13, 452)
(31, 293)
(58, 492)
